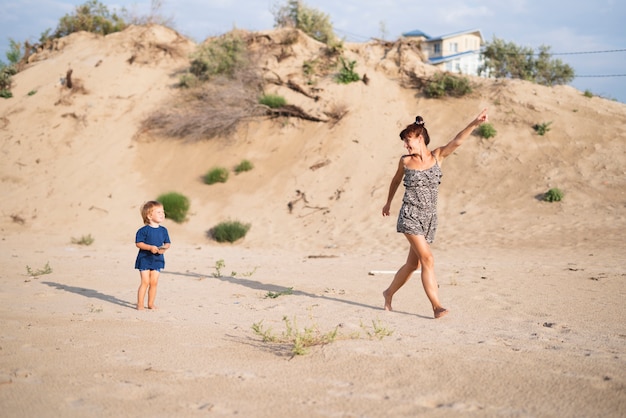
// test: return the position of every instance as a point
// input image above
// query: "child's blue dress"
(151, 236)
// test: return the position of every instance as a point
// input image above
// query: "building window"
(454, 47)
(437, 48)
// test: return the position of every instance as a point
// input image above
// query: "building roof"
(416, 33)
(439, 60)
(452, 35)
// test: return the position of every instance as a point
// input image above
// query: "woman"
(418, 215)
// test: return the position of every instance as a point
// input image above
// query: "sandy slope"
(536, 289)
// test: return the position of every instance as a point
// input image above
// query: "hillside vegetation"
(91, 154)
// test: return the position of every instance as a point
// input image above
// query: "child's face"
(157, 215)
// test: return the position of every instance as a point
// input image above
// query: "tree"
(296, 14)
(550, 72)
(92, 16)
(508, 60)
(14, 54)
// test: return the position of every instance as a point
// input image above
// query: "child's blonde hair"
(147, 209)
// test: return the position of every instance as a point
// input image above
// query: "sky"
(587, 35)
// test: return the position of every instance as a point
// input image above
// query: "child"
(152, 240)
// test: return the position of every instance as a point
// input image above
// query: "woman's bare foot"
(387, 301)
(441, 311)
(153, 307)
(139, 308)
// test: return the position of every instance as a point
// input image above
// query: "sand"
(536, 289)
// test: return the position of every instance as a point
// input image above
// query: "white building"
(458, 52)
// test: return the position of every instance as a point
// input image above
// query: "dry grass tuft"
(209, 110)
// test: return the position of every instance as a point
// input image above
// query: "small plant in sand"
(273, 101)
(588, 93)
(246, 274)
(175, 206)
(219, 265)
(34, 273)
(553, 195)
(274, 295)
(308, 68)
(32, 92)
(95, 309)
(216, 175)
(378, 331)
(486, 130)
(229, 231)
(542, 128)
(347, 74)
(243, 166)
(298, 340)
(84, 240)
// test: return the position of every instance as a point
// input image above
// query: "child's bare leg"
(400, 278)
(143, 287)
(152, 290)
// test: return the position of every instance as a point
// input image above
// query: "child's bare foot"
(153, 307)
(387, 301)
(139, 308)
(441, 311)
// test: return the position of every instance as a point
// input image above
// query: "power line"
(587, 52)
(600, 76)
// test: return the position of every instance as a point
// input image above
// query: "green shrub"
(216, 175)
(6, 74)
(542, 128)
(229, 231)
(92, 16)
(296, 14)
(188, 80)
(446, 84)
(553, 195)
(224, 55)
(273, 101)
(486, 130)
(588, 93)
(175, 206)
(347, 74)
(244, 165)
(6, 94)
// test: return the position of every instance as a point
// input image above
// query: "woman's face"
(411, 143)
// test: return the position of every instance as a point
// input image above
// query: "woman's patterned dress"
(418, 214)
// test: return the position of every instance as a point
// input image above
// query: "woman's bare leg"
(425, 255)
(401, 277)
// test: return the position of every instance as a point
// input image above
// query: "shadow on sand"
(90, 293)
(253, 284)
